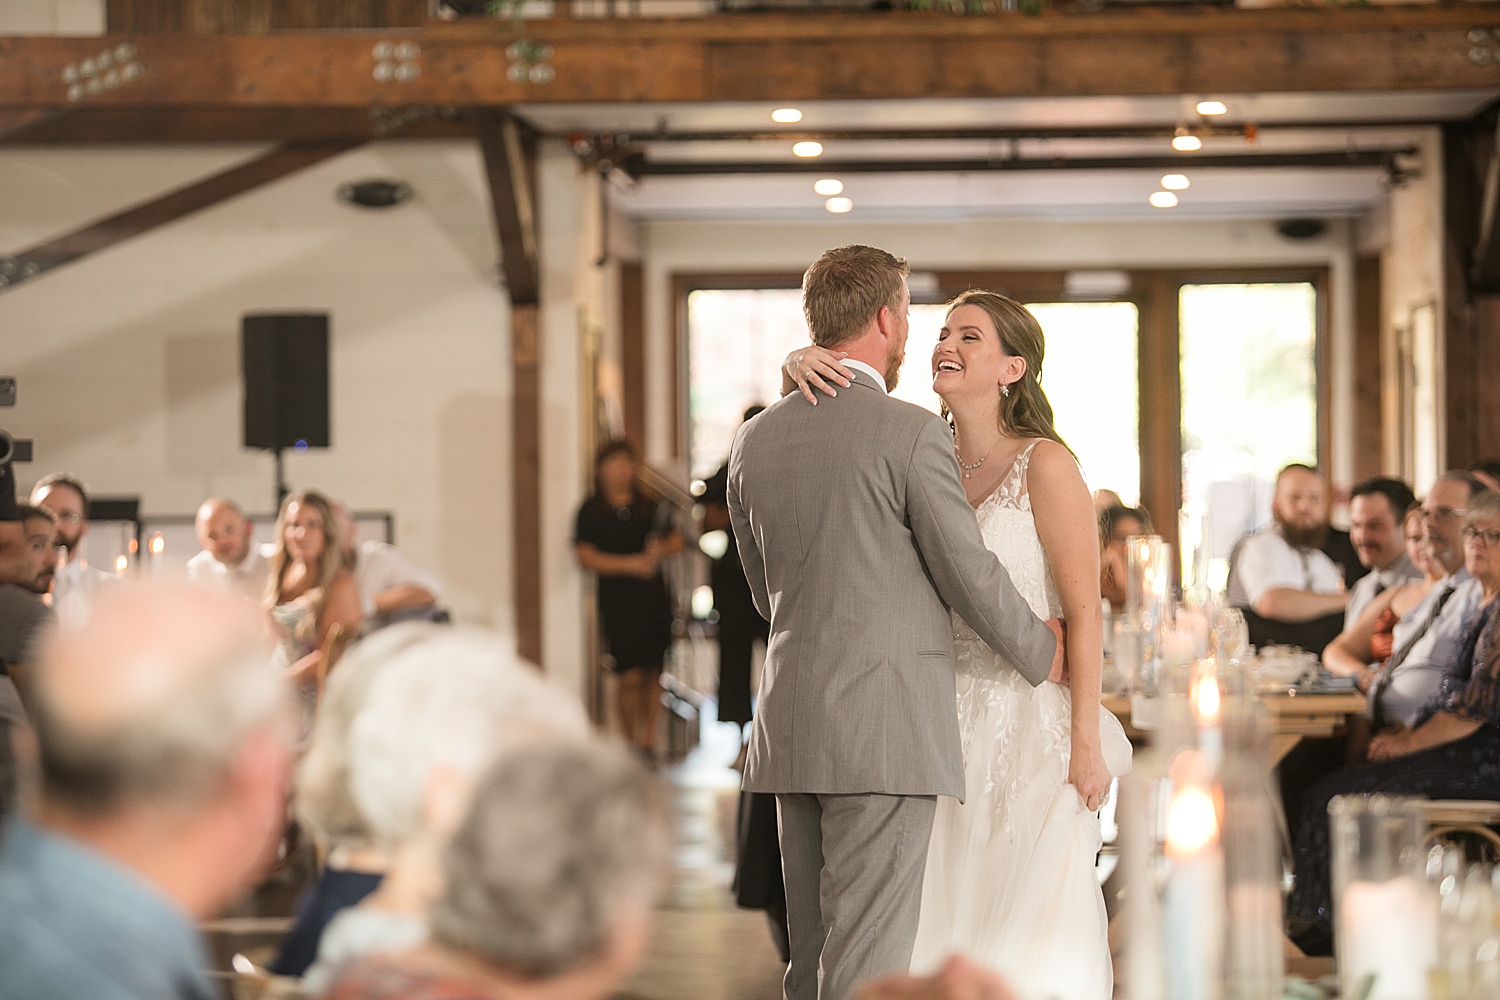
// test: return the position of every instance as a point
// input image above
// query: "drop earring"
(1005, 389)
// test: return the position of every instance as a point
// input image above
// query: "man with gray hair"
(163, 747)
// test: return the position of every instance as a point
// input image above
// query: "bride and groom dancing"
(937, 788)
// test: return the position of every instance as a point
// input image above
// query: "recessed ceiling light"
(1163, 199)
(807, 149)
(829, 185)
(1210, 108)
(838, 206)
(1176, 182)
(1185, 143)
(786, 116)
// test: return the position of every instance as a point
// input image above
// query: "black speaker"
(284, 359)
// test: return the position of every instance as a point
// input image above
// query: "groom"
(856, 539)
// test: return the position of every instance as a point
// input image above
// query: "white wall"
(128, 359)
(1411, 278)
(52, 17)
(671, 247)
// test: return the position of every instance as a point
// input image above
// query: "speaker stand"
(281, 490)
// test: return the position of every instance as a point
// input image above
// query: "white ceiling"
(1060, 194)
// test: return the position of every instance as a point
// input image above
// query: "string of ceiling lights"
(1183, 141)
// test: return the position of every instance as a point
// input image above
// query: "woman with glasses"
(1452, 750)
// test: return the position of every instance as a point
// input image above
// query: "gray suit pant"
(853, 867)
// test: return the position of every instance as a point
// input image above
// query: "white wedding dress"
(1010, 879)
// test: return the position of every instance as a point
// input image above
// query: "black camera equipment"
(11, 452)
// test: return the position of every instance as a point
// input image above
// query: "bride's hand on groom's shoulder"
(814, 366)
(959, 979)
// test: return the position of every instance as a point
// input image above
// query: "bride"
(1010, 878)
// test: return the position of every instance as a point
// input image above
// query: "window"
(737, 340)
(1249, 401)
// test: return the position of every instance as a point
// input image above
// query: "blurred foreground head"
(550, 880)
(162, 740)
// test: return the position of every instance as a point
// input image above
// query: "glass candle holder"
(1385, 914)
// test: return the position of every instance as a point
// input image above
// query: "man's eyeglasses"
(1443, 513)
(68, 517)
(1491, 538)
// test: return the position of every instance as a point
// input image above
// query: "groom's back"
(858, 692)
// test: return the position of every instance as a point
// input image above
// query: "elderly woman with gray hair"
(443, 705)
(550, 882)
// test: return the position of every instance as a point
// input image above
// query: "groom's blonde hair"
(846, 288)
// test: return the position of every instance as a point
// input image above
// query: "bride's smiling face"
(969, 360)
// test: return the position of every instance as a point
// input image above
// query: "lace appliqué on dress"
(986, 681)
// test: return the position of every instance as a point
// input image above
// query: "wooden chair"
(1464, 820)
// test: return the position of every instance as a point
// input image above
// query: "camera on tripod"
(11, 452)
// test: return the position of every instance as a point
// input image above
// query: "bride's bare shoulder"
(1053, 468)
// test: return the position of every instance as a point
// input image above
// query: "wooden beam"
(208, 16)
(131, 124)
(510, 167)
(288, 159)
(789, 57)
(633, 351)
(1471, 319)
(1160, 400)
(1367, 426)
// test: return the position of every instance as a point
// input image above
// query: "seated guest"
(1432, 632)
(310, 591)
(1376, 510)
(1115, 525)
(391, 587)
(230, 557)
(354, 864)
(76, 582)
(163, 760)
(436, 716)
(24, 620)
(1368, 641)
(1290, 591)
(549, 884)
(1451, 750)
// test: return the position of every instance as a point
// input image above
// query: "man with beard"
(230, 558)
(1292, 593)
(76, 582)
(24, 618)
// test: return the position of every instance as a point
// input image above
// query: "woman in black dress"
(623, 537)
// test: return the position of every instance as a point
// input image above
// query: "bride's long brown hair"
(1026, 412)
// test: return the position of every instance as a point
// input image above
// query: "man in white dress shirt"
(1377, 512)
(76, 582)
(1290, 590)
(391, 587)
(230, 557)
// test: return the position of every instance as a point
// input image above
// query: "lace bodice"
(1008, 528)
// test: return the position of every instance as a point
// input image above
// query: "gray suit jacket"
(856, 539)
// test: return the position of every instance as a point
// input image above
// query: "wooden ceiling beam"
(109, 125)
(791, 58)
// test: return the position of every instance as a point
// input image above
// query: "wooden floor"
(703, 946)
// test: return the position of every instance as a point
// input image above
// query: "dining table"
(1293, 715)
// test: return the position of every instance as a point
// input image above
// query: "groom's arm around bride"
(856, 539)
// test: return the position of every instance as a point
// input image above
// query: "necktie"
(1377, 716)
